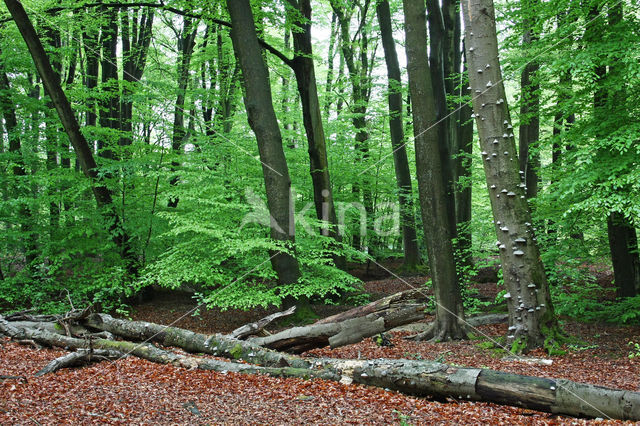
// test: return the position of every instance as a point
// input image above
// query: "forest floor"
(135, 391)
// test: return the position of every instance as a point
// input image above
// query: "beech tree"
(358, 67)
(262, 119)
(304, 70)
(398, 141)
(529, 130)
(449, 322)
(151, 110)
(532, 322)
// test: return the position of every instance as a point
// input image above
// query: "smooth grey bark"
(529, 131)
(531, 315)
(398, 141)
(262, 119)
(88, 165)
(405, 299)
(439, 74)
(257, 327)
(431, 182)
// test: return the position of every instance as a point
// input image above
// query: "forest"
(390, 211)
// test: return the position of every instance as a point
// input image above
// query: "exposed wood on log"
(411, 377)
(80, 357)
(255, 327)
(432, 378)
(409, 299)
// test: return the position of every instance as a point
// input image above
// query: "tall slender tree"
(358, 67)
(608, 101)
(109, 111)
(304, 70)
(529, 130)
(136, 38)
(396, 128)
(19, 170)
(186, 44)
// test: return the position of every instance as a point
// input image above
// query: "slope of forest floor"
(134, 391)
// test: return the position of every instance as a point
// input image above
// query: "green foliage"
(403, 419)
(56, 246)
(635, 350)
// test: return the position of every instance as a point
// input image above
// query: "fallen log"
(405, 299)
(73, 330)
(217, 345)
(80, 357)
(420, 378)
(336, 334)
(558, 396)
(161, 356)
(20, 378)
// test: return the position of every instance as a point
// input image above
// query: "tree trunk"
(304, 70)
(529, 107)
(336, 334)
(623, 240)
(464, 150)
(88, 165)
(531, 316)
(398, 142)
(136, 38)
(623, 243)
(358, 76)
(287, 119)
(110, 97)
(262, 119)
(80, 357)
(186, 43)
(431, 182)
(330, 56)
(439, 74)
(420, 378)
(90, 38)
